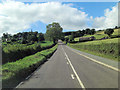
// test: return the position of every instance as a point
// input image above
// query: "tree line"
(24, 37)
(80, 33)
(53, 32)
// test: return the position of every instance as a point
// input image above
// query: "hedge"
(14, 72)
(15, 52)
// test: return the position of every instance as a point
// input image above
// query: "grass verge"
(104, 48)
(15, 72)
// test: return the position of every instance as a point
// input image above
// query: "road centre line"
(106, 65)
(72, 76)
(79, 80)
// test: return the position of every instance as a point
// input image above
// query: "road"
(68, 69)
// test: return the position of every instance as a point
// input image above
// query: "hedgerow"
(14, 52)
(14, 72)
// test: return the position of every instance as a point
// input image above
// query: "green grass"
(18, 51)
(66, 36)
(16, 47)
(100, 34)
(96, 36)
(20, 69)
(116, 32)
(76, 39)
(46, 43)
(106, 48)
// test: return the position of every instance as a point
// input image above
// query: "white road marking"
(23, 81)
(78, 78)
(72, 76)
(19, 85)
(106, 65)
(28, 77)
(67, 63)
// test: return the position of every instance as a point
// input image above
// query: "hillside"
(100, 34)
(105, 48)
(115, 32)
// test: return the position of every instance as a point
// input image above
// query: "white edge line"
(19, 84)
(101, 63)
(80, 82)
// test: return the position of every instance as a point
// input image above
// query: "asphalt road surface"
(68, 69)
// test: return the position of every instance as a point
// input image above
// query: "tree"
(116, 27)
(87, 31)
(32, 38)
(83, 31)
(25, 34)
(41, 37)
(23, 41)
(5, 35)
(93, 31)
(80, 33)
(13, 39)
(109, 32)
(71, 37)
(66, 39)
(54, 32)
(63, 37)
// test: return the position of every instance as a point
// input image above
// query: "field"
(14, 72)
(18, 51)
(106, 48)
(100, 34)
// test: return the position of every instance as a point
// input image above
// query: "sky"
(18, 16)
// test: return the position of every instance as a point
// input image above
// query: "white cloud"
(17, 16)
(109, 20)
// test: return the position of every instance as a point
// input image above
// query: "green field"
(96, 36)
(115, 32)
(100, 34)
(13, 72)
(106, 48)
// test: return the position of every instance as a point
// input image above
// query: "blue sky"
(95, 9)
(24, 16)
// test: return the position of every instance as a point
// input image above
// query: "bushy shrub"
(109, 32)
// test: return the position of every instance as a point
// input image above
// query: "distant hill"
(100, 34)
